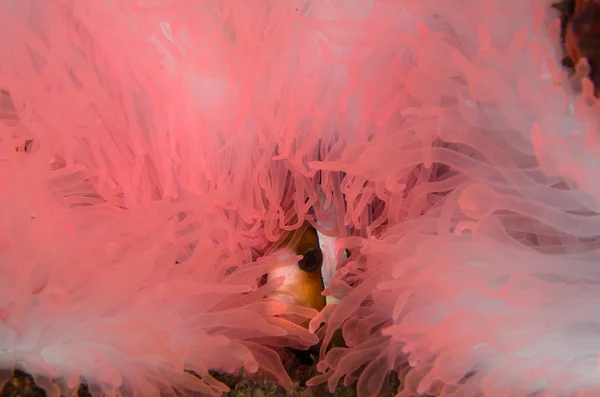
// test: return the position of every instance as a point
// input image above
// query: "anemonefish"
(303, 281)
(581, 35)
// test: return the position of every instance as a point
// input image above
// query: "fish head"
(303, 282)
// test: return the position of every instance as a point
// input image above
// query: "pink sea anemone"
(152, 150)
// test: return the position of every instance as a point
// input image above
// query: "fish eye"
(311, 261)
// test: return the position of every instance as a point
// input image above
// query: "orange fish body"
(582, 36)
(303, 283)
